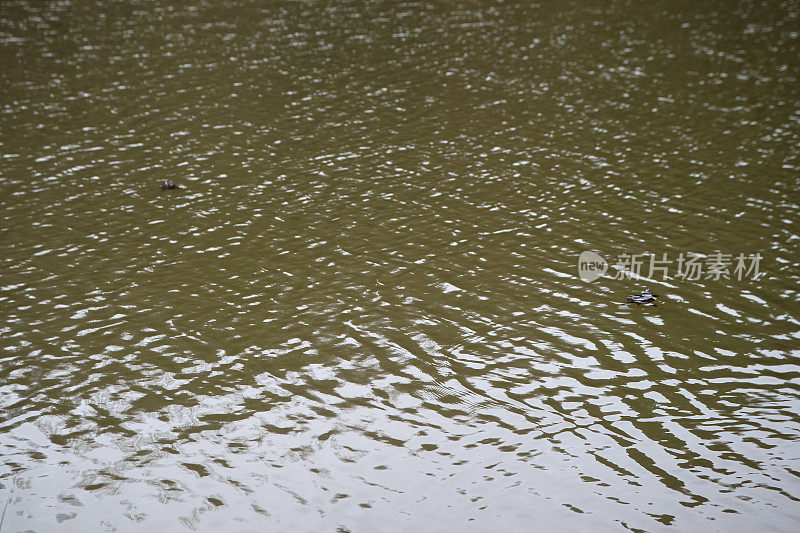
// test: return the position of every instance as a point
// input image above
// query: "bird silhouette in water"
(167, 185)
(645, 298)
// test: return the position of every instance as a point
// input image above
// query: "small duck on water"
(167, 185)
(645, 298)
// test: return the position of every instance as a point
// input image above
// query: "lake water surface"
(363, 310)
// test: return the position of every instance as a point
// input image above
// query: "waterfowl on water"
(645, 298)
(168, 186)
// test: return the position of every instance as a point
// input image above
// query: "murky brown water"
(362, 312)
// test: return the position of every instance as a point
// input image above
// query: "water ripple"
(364, 301)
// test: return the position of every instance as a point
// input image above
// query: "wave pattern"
(362, 311)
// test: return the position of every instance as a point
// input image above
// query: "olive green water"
(362, 312)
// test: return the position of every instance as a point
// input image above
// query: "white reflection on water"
(362, 310)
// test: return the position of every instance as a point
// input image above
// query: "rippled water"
(362, 312)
